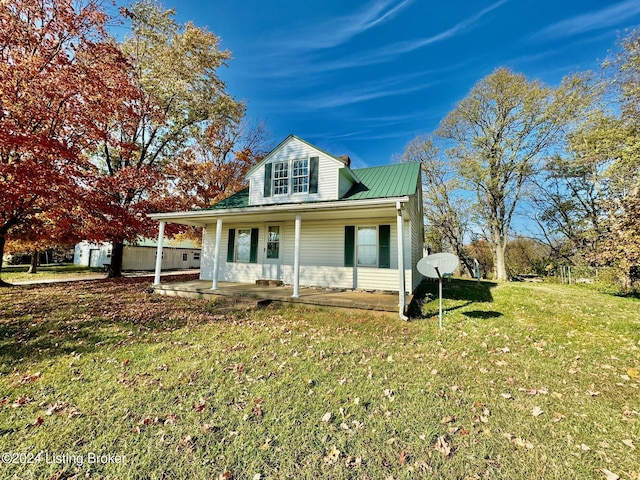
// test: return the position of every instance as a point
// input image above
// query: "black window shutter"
(384, 246)
(349, 245)
(267, 179)
(253, 253)
(313, 175)
(231, 245)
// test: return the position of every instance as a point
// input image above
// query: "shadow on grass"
(46, 321)
(482, 314)
(468, 291)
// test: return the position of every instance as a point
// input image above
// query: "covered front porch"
(383, 302)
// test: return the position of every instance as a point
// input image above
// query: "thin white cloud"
(587, 22)
(380, 55)
(339, 30)
(387, 88)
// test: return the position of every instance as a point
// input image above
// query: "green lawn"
(525, 381)
(18, 273)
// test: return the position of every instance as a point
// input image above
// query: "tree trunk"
(500, 263)
(2, 241)
(33, 268)
(115, 269)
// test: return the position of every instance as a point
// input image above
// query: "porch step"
(270, 283)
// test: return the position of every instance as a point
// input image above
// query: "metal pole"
(439, 296)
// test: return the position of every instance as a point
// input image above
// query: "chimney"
(346, 160)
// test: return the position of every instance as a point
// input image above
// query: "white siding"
(417, 236)
(144, 258)
(294, 149)
(321, 256)
(345, 184)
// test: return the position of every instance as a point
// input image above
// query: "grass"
(524, 381)
(18, 273)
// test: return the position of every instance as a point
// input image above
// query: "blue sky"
(363, 78)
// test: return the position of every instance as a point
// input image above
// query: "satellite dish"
(445, 263)
(435, 266)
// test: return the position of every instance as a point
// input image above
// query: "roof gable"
(289, 139)
(387, 181)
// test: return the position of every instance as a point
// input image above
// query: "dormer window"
(300, 177)
(280, 178)
(291, 177)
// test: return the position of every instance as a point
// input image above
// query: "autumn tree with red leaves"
(59, 72)
(214, 167)
(175, 69)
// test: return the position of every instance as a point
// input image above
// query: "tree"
(59, 73)
(447, 213)
(615, 142)
(497, 137)
(214, 167)
(175, 69)
(526, 256)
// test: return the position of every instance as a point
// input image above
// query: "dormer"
(295, 172)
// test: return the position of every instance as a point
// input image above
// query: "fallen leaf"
(389, 394)
(403, 457)
(629, 443)
(266, 444)
(522, 443)
(633, 373)
(506, 396)
(537, 411)
(38, 421)
(326, 417)
(609, 474)
(332, 456)
(448, 419)
(442, 446)
(584, 447)
(31, 378)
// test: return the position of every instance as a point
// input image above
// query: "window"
(281, 178)
(243, 250)
(273, 242)
(184, 257)
(300, 177)
(367, 247)
(196, 255)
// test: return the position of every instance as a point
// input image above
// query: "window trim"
(375, 245)
(286, 178)
(305, 177)
(237, 250)
(309, 180)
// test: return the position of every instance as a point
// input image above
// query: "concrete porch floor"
(385, 302)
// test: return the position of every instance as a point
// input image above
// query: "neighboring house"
(141, 255)
(308, 219)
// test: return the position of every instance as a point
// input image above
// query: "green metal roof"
(386, 181)
(376, 182)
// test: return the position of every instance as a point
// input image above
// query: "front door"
(272, 269)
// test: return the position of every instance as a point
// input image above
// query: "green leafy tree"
(181, 94)
(498, 136)
(447, 212)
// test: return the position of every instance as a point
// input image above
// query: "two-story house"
(308, 219)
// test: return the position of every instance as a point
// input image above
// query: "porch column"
(156, 278)
(296, 260)
(401, 286)
(216, 254)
